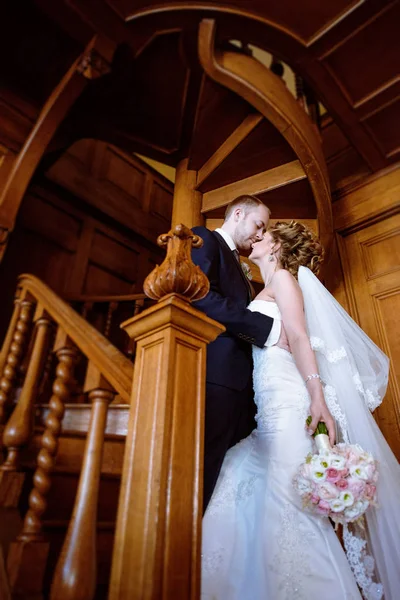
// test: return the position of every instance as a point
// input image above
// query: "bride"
(258, 542)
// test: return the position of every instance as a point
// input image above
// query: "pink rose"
(328, 491)
(343, 472)
(342, 484)
(352, 456)
(315, 498)
(323, 507)
(369, 491)
(332, 475)
(356, 487)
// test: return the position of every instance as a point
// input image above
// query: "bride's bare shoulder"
(283, 277)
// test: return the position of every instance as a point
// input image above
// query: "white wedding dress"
(258, 543)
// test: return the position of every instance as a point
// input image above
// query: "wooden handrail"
(105, 298)
(105, 356)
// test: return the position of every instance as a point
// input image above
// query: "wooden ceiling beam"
(237, 136)
(257, 184)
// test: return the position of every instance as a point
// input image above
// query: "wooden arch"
(267, 93)
(51, 116)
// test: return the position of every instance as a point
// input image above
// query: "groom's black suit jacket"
(229, 359)
(230, 410)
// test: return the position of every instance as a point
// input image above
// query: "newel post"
(157, 543)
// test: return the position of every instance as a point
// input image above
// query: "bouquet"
(338, 482)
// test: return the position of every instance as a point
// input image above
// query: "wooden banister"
(108, 359)
(106, 299)
(29, 366)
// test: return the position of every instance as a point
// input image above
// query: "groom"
(229, 390)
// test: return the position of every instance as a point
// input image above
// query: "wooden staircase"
(69, 432)
(59, 368)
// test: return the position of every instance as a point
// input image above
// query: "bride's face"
(262, 248)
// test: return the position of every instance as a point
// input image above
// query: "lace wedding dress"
(258, 543)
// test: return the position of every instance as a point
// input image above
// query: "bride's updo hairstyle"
(300, 247)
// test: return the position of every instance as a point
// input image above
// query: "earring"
(270, 258)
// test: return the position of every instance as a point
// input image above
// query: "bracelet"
(312, 376)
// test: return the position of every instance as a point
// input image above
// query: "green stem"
(321, 427)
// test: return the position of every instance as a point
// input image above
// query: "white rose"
(337, 461)
(336, 505)
(320, 462)
(353, 512)
(347, 498)
(359, 472)
(318, 474)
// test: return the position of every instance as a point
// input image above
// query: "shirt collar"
(227, 238)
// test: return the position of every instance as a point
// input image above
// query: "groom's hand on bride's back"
(283, 341)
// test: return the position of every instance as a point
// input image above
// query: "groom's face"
(251, 227)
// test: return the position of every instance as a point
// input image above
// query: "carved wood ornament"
(177, 274)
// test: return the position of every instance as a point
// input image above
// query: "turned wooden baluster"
(27, 556)
(18, 331)
(111, 309)
(86, 308)
(11, 329)
(63, 387)
(75, 574)
(18, 430)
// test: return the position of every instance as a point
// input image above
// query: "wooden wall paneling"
(76, 283)
(384, 125)
(161, 202)
(153, 108)
(122, 174)
(121, 186)
(112, 265)
(148, 186)
(49, 233)
(345, 168)
(371, 199)
(378, 40)
(373, 259)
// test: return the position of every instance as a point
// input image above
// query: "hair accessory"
(312, 376)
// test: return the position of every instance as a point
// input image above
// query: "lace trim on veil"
(361, 563)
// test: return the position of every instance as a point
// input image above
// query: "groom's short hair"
(247, 201)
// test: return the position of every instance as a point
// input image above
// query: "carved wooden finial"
(177, 274)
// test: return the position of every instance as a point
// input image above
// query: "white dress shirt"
(276, 325)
